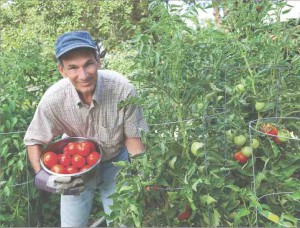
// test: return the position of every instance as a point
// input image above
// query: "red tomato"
(154, 188)
(59, 156)
(277, 141)
(72, 169)
(85, 168)
(58, 169)
(84, 148)
(50, 159)
(186, 214)
(92, 158)
(78, 161)
(238, 156)
(70, 149)
(65, 159)
(269, 129)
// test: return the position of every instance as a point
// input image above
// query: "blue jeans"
(75, 210)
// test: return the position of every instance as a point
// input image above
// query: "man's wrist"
(137, 155)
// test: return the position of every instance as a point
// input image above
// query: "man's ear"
(61, 70)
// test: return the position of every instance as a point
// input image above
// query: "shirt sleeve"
(135, 122)
(43, 127)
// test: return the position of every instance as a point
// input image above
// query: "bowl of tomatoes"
(72, 156)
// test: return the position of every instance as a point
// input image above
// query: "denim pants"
(75, 210)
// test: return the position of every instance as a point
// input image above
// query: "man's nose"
(82, 73)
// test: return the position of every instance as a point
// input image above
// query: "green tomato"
(239, 140)
(260, 106)
(255, 143)
(229, 135)
(240, 88)
(247, 151)
(283, 135)
(196, 146)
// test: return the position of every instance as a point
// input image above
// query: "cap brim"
(75, 47)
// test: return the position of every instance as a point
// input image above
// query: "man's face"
(81, 66)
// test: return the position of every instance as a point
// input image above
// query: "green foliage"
(188, 77)
(28, 30)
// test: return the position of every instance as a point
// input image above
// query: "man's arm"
(34, 154)
(134, 146)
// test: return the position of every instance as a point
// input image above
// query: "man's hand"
(58, 184)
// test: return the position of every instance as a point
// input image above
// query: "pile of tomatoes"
(76, 157)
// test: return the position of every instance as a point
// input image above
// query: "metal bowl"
(57, 147)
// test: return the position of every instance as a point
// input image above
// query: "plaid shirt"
(61, 111)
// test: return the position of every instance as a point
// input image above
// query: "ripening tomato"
(70, 149)
(50, 159)
(78, 161)
(238, 156)
(85, 148)
(65, 159)
(72, 169)
(85, 167)
(58, 169)
(92, 158)
(269, 129)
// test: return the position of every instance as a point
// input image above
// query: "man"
(85, 103)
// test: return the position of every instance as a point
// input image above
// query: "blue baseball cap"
(72, 40)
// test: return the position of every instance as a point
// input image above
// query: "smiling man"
(85, 104)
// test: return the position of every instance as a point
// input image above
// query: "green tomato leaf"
(194, 186)
(206, 199)
(296, 195)
(216, 218)
(172, 162)
(126, 188)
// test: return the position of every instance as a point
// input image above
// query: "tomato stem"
(249, 69)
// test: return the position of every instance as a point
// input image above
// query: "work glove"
(64, 185)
